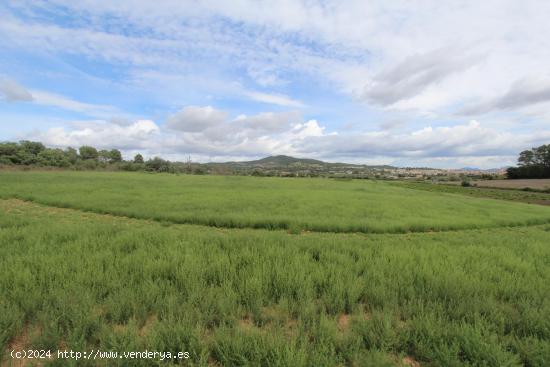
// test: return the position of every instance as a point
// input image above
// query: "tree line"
(35, 154)
(533, 163)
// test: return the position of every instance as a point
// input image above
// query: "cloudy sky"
(426, 83)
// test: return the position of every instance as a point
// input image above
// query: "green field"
(520, 195)
(322, 205)
(280, 291)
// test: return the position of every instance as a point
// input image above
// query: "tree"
(25, 157)
(534, 163)
(513, 173)
(157, 164)
(87, 152)
(526, 158)
(27, 152)
(32, 147)
(8, 149)
(104, 156)
(12, 153)
(542, 155)
(110, 156)
(72, 155)
(53, 157)
(115, 156)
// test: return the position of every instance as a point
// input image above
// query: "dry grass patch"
(20, 343)
(343, 322)
(410, 361)
(148, 324)
(246, 322)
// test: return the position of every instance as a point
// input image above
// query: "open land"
(539, 184)
(243, 271)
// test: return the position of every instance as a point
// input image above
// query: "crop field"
(321, 205)
(538, 184)
(501, 193)
(242, 271)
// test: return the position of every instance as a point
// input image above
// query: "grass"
(98, 261)
(322, 205)
(242, 297)
(519, 195)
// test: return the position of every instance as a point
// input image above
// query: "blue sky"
(460, 84)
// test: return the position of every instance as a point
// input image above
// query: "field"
(321, 205)
(538, 184)
(242, 271)
(524, 196)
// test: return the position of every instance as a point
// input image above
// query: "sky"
(427, 83)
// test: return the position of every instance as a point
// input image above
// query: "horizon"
(464, 85)
(300, 158)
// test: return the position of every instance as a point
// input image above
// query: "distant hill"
(283, 160)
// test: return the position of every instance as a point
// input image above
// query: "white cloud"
(385, 52)
(310, 128)
(59, 101)
(415, 73)
(195, 119)
(467, 140)
(522, 93)
(277, 99)
(101, 134)
(274, 37)
(468, 144)
(425, 61)
(392, 124)
(12, 91)
(268, 122)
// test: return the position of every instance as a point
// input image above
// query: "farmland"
(500, 193)
(537, 184)
(323, 205)
(243, 271)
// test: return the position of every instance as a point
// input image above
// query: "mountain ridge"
(282, 160)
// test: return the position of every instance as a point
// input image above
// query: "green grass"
(243, 297)
(274, 203)
(83, 280)
(521, 195)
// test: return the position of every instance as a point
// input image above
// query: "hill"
(283, 160)
(284, 165)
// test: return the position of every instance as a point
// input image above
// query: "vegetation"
(28, 154)
(37, 157)
(272, 203)
(446, 276)
(534, 163)
(35, 154)
(247, 297)
(522, 195)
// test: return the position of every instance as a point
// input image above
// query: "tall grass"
(243, 297)
(272, 203)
